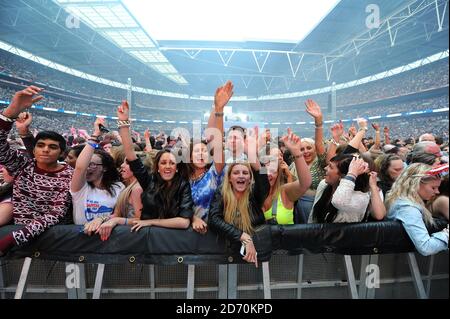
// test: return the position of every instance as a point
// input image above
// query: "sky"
(231, 20)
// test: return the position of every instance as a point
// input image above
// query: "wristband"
(94, 145)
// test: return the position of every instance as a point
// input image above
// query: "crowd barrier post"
(98, 281)
(417, 278)
(232, 282)
(2, 280)
(190, 282)
(351, 281)
(151, 274)
(23, 280)
(266, 280)
(223, 281)
(300, 276)
(430, 274)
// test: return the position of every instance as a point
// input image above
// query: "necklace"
(195, 179)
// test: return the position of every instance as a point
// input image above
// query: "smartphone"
(243, 250)
(103, 129)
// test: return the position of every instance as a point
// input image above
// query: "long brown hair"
(237, 212)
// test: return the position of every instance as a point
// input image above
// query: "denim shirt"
(410, 214)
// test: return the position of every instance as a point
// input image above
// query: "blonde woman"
(236, 208)
(405, 202)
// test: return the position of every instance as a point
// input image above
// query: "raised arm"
(123, 114)
(337, 130)
(251, 148)
(387, 139)
(148, 144)
(377, 144)
(22, 100)
(84, 159)
(296, 189)
(23, 123)
(221, 98)
(314, 110)
(357, 139)
(377, 208)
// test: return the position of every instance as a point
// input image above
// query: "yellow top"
(284, 216)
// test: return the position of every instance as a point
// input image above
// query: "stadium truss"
(339, 49)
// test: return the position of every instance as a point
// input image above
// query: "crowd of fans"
(119, 177)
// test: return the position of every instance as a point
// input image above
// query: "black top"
(152, 201)
(259, 193)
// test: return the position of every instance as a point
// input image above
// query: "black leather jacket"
(151, 201)
(259, 193)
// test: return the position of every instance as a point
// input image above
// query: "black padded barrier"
(155, 245)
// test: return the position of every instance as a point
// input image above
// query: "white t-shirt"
(90, 203)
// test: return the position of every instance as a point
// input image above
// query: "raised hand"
(23, 122)
(373, 180)
(147, 134)
(362, 123)
(251, 142)
(123, 111)
(386, 130)
(292, 142)
(313, 109)
(336, 132)
(352, 131)
(98, 121)
(23, 100)
(358, 167)
(376, 126)
(222, 96)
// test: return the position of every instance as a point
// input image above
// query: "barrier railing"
(158, 246)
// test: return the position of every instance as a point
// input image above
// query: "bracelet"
(121, 124)
(29, 134)
(363, 128)
(218, 114)
(7, 119)
(319, 125)
(335, 143)
(297, 156)
(350, 178)
(94, 145)
(126, 221)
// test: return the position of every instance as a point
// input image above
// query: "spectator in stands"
(391, 166)
(427, 137)
(343, 196)
(95, 185)
(316, 159)
(41, 188)
(236, 209)
(6, 192)
(278, 207)
(166, 198)
(406, 203)
(439, 205)
(206, 178)
(129, 204)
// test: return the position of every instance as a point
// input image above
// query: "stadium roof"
(112, 44)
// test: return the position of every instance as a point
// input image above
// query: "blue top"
(203, 191)
(410, 214)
